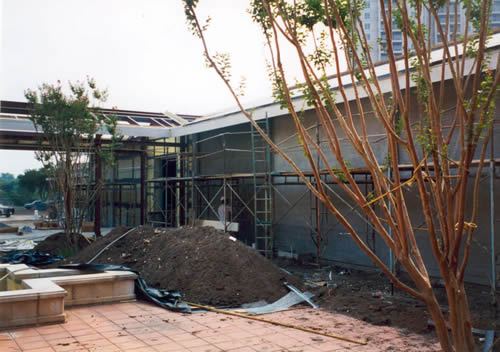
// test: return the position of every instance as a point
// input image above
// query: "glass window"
(367, 26)
(367, 15)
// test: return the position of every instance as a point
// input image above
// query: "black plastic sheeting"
(167, 299)
(30, 257)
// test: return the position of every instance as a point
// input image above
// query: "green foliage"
(309, 96)
(426, 138)
(278, 88)
(6, 176)
(25, 188)
(339, 173)
(8, 188)
(370, 196)
(387, 164)
(35, 181)
(399, 125)
(302, 14)
(322, 56)
(422, 88)
(223, 62)
(476, 10)
(483, 104)
(189, 6)
(69, 124)
(310, 12)
(259, 15)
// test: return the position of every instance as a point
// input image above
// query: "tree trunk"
(68, 221)
(439, 321)
(460, 322)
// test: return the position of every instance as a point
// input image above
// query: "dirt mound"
(201, 262)
(63, 244)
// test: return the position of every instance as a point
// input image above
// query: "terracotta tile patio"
(139, 326)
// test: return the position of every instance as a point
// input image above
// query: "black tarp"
(30, 257)
(170, 300)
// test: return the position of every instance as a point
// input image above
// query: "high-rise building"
(373, 26)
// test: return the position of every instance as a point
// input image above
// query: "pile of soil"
(63, 244)
(202, 263)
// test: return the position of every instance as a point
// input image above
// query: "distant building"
(373, 26)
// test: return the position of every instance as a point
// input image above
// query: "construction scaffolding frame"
(181, 192)
(187, 196)
(195, 189)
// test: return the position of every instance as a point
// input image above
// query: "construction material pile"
(202, 263)
(63, 244)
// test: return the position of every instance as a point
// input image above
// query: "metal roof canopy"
(14, 121)
(234, 116)
(14, 115)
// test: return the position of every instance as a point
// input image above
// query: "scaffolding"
(190, 178)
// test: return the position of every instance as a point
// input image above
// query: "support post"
(391, 261)
(98, 185)
(143, 186)
(492, 218)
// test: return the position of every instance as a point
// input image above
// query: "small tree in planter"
(72, 127)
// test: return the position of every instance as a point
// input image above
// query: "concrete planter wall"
(45, 293)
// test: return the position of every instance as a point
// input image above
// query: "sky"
(141, 51)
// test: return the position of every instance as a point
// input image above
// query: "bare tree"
(441, 176)
(71, 130)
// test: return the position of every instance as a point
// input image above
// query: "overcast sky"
(140, 50)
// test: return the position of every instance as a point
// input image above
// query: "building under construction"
(176, 170)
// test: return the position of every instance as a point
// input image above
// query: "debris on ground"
(9, 229)
(202, 263)
(26, 229)
(9, 245)
(285, 302)
(368, 296)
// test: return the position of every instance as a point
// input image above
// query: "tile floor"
(139, 326)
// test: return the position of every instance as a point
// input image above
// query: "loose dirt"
(202, 263)
(206, 267)
(369, 296)
(63, 244)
